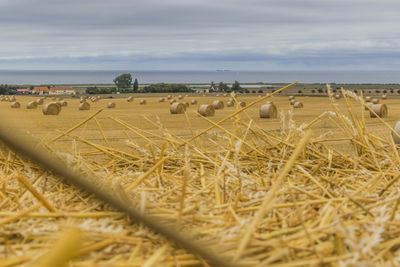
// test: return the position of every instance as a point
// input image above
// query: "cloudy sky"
(200, 34)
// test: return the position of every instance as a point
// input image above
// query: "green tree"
(135, 85)
(223, 86)
(236, 86)
(123, 80)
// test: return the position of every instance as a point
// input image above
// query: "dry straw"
(206, 110)
(31, 105)
(130, 99)
(293, 101)
(230, 103)
(177, 108)
(142, 102)
(193, 102)
(39, 101)
(161, 99)
(111, 105)
(395, 137)
(218, 104)
(180, 97)
(268, 111)
(84, 106)
(63, 103)
(51, 108)
(384, 97)
(15, 104)
(298, 105)
(367, 99)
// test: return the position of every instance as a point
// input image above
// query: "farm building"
(40, 90)
(62, 91)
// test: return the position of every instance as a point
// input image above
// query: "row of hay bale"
(294, 102)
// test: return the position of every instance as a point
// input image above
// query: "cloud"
(200, 34)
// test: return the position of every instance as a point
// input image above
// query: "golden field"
(315, 187)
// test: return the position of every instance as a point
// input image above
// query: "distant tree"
(236, 86)
(300, 92)
(313, 91)
(377, 91)
(135, 86)
(223, 87)
(384, 91)
(260, 91)
(123, 80)
(320, 91)
(212, 85)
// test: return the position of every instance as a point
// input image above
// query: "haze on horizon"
(200, 35)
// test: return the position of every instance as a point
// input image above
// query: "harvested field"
(316, 186)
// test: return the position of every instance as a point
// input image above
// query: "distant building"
(23, 91)
(62, 91)
(40, 90)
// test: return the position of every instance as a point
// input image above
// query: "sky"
(200, 34)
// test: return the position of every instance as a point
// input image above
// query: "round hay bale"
(39, 101)
(12, 99)
(111, 105)
(180, 97)
(225, 95)
(60, 98)
(15, 104)
(172, 101)
(186, 95)
(367, 99)
(384, 97)
(380, 110)
(293, 101)
(98, 97)
(130, 99)
(83, 98)
(375, 101)
(268, 110)
(206, 110)
(337, 96)
(241, 104)
(230, 103)
(177, 108)
(94, 99)
(369, 104)
(291, 97)
(217, 95)
(169, 97)
(82, 101)
(193, 102)
(51, 108)
(162, 99)
(63, 103)
(396, 127)
(218, 104)
(186, 105)
(84, 106)
(298, 105)
(142, 102)
(31, 105)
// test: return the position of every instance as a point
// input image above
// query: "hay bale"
(142, 102)
(337, 96)
(82, 101)
(230, 104)
(241, 104)
(111, 105)
(82, 98)
(31, 105)
(396, 127)
(54, 98)
(177, 108)
(51, 108)
(63, 103)
(293, 101)
(39, 101)
(218, 104)
(217, 95)
(84, 106)
(15, 104)
(161, 99)
(94, 99)
(291, 97)
(375, 101)
(186, 95)
(369, 104)
(172, 101)
(186, 104)
(367, 99)
(193, 102)
(169, 97)
(380, 110)
(384, 97)
(206, 110)
(225, 95)
(298, 105)
(180, 97)
(269, 111)
(60, 98)
(130, 99)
